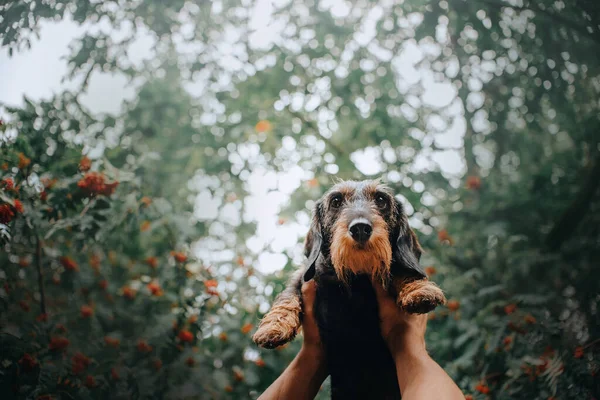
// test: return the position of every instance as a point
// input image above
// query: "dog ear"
(313, 242)
(408, 249)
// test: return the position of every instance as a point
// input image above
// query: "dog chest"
(360, 364)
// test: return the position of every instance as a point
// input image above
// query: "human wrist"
(402, 343)
(311, 359)
(313, 351)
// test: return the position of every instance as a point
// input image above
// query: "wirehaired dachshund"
(359, 235)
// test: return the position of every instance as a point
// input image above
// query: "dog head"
(362, 229)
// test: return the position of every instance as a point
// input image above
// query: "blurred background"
(159, 160)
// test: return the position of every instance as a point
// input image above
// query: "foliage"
(115, 284)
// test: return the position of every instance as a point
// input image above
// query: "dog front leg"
(418, 296)
(281, 324)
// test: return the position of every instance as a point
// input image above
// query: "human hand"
(401, 331)
(310, 330)
(303, 377)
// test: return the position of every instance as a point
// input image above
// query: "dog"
(359, 235)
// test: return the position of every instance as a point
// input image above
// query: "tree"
(483, 115)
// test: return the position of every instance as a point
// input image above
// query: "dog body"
(359, 235)
(359, 361)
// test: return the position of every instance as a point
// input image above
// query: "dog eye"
(336, 202)
(381, 201)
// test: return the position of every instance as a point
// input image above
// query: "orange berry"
(578, 352)
(510, 308)
(8, 183)
(112, 342)
(6, 214)
(18, 206)
(473, 183)
(444, 237)
(238, 376)
(85, 164)
(129, 293)
(28, 363)
(530, 319)
(223, 336)
(58, 343)
(143, 347)
(49, 183)
(260, 363)
(179, 256)
(152, 262)
(23, 161)
(69, 264)
(211, 283)
(94, 183)
(247, 328)
(146, 201)
(145, 226)
(186, 336)
(312, 183)
(79, 363)
(482, 388)
(155, 289)
(86, 311)
(263, 126)
(430, 270)
(453, 305)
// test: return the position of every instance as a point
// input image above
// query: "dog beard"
(373, 258)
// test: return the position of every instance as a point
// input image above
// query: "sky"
(39, 73)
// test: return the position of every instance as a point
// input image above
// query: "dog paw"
(278, 327)
(420, 297)
(273, 335)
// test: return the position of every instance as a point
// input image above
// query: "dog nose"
(360, 230)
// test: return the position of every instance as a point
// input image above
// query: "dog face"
(362, 228)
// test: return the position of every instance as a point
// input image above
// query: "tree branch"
(573, 215)
(339, 152)
(581, 29)
(38, 263)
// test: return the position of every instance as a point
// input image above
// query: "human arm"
(419, 376)
(302, 379)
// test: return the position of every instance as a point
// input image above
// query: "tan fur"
(280, 325)
(373, 259)
(418, 296)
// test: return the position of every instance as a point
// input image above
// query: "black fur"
(360, 363)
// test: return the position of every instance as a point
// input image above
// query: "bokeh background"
(159, 160)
